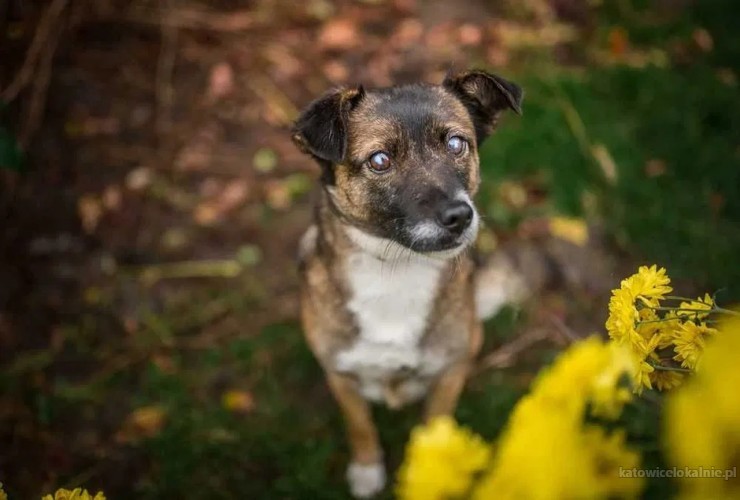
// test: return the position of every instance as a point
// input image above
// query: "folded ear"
(486, 96)
(321, 130)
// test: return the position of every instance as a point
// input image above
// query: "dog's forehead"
(411, 106)
(410, 114)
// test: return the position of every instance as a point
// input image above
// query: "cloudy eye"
(456, 145)
(379, 162)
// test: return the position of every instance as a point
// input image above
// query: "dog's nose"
(456, 216)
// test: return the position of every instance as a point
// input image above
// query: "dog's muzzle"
(453, 227)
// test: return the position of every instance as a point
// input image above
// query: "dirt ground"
(159, 206)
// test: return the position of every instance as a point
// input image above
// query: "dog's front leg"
(366, 472)
(444, 395)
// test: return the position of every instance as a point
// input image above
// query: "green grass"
(684, 219)
(292, 445)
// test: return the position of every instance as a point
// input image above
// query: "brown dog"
(388, 290)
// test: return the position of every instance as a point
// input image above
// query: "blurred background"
(151, 202)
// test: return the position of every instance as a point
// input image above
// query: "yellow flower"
(649, 282)
(76, 494)
(608, 394)
(441, 459)
(643, 369)
(623, 317)
(665, 380)
(530, 454)
(647, 287)
(609, 454)
(702, 417)
(3, 496)
(588, 372)
(689, 340)
(546, 430)
(705, 304)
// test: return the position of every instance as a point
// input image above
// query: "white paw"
(365, 480)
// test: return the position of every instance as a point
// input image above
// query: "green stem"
(726, 311)
(670, 368)
(676, 297)
(686, 309)
(662, 320)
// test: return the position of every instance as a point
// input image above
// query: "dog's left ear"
(485, 96)
(321, 130)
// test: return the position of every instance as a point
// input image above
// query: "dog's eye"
(456, 145)
(379, 162)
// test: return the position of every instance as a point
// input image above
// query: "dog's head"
(400, 164)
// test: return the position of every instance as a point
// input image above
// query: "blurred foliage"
(10, 154)
(650, 150)
(683, 213)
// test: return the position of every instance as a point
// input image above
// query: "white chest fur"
(391, 303)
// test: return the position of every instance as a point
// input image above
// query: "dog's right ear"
(321, 130)
(486, 96)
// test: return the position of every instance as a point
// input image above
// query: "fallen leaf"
(727, 76)
(336, 71)
(139, 178)
(174, 238)
(716, 202)
(205, 214)
(570, 229)
(618, 41)
(470, 34)
(238, 401)
(606, 162)
(235, 192)
(221, 81)
(320, 9)
(264, 160)
(338, 34)
(408, 32)
(90, 210)
(144, 422)
(112, 198)
(231, 196)
(486, 241)
(278, 196)
(703, 39)
(249, 255)
(655, 168)
(513, 194)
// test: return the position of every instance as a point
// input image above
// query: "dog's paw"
(365, 480)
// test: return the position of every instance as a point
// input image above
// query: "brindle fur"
(341, 130)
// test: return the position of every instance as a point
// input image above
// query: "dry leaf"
(655, 168)
(238, 401)
(221, 81)
(618, 41)
(408, 32)
(139, 178)
(264, 160)
(570, 229)
(112, 197)
(605, 161)
(278, 195)
(90, 211)
(513, 194)
(336, 71)
(703, 39)
(470, 34)
(338, 34)
(143, 422)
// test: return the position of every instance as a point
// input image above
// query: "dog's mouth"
(429, 238)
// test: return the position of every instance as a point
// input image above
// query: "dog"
(389, 300)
